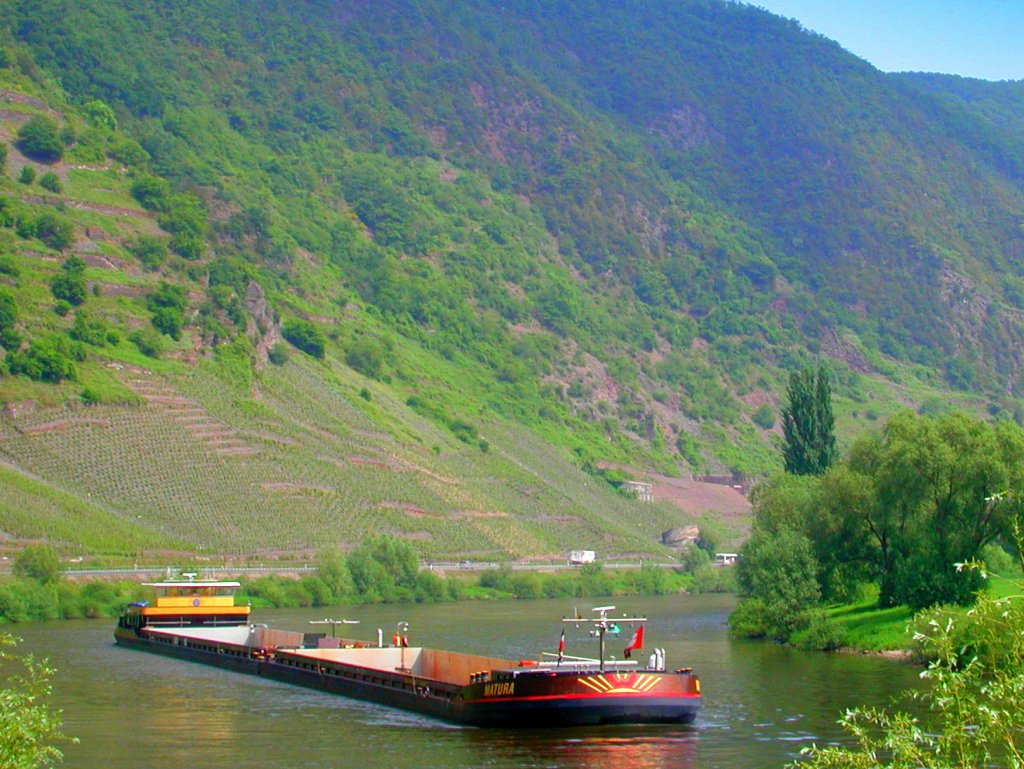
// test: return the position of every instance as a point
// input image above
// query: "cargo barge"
(199, 621)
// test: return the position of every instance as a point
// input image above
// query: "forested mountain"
(616, 226)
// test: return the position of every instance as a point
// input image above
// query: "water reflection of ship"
(618, 747)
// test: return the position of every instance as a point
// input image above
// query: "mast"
(602, 624)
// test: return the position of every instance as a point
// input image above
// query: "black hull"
(438, 707)
(545, 701)
(578, 713)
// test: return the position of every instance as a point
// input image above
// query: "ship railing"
(582, 663)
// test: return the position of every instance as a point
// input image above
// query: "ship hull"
(521, 698)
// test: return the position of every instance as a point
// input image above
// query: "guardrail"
(444, 566)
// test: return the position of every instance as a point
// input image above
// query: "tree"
(28, 724)
(945, 487)
(809, 443)
(40, 138)
(332, 569)
(384, 569)
(777, 577)
(38, 562)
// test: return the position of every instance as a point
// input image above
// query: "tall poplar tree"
(808, 425)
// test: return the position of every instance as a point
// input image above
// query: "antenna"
(602, 624)
(333, 623)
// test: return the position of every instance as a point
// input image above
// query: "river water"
(762, 702)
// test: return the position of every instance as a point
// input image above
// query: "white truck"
(577, 557)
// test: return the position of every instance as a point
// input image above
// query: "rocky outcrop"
(263, 326)
(680, 536)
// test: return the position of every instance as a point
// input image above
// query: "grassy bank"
(863, 626)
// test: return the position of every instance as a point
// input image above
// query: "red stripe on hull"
(589, 696)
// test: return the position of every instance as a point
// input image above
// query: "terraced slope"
(300, 466)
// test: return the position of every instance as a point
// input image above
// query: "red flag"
(636, 642)
(561, 645)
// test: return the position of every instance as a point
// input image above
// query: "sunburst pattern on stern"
(619, 683)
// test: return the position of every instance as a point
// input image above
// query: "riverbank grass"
(865, 627)
(871, 629)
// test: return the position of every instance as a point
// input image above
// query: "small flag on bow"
(561, 645)
(636, 642)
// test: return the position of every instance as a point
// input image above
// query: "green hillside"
(305, 272)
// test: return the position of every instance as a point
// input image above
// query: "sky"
(972, 38)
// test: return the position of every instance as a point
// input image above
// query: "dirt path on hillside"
(697, 497)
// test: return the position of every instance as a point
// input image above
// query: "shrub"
(153, 193)
(526, 585)
(148, 342)
(40, 137)
(69, 283)
(305, 336)
(149, 250)
(49, 359)
(366, 356)
(278, 354)
(463, 430)
(99, 599)
(50, 181)
(713, 579)
(89, 329)
(38, 562)
(100, 115)
(8, 309)
(764, 417)
(650, 580)
(692, 558)
(7, 265)
(998, 561)
(167, 305)
(25, 600)
(430, 588)
(27, 175)
(823, 634)
(129, 152)
(90, 397)
(168, 320)
(55, 231)
(188, 245)
(10, 339)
